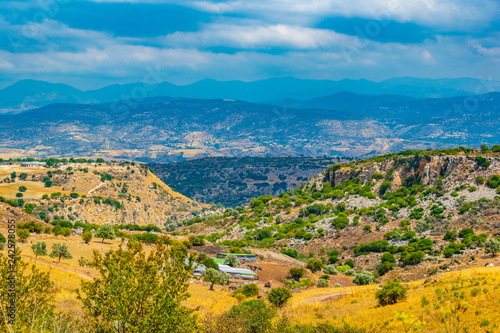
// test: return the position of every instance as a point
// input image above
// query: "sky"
(93, 43)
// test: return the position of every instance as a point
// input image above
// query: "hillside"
(234, 181)
(163, 130)
(95, 193)
(179, 130)
(417, 205)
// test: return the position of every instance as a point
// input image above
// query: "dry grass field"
(428, 306)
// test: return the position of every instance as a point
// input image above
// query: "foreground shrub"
(391, 293)
(248, 290)
(279, 296)
(140, 293)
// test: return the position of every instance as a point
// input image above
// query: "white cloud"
(448, 13)
(252, 37)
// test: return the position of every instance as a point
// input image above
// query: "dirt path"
(95, 188)
(66, 269)
(276, 256)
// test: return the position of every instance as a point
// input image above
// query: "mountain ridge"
(26, 94)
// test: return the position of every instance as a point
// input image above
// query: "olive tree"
(213, 276)
(106, 231)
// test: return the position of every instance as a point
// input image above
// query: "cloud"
(257, 37)
(97, 42)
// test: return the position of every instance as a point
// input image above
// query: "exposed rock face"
(453, 170)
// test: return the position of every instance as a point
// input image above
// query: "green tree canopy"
(213, 276)
(106, 231)
(279, 296)
(136, 292)
(60, 250)
(39, 249)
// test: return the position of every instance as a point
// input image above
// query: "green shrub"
(252, 316)
(314, 265)
(279, 296)
(391, 293)
(296, 273)
(363, 278)
(323, 283)
(330, 269)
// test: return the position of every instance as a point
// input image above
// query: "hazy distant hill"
(28, 94)
(342, 101)
(169, 129)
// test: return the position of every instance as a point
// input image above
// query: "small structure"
(243, 257)
(32, 164)
(236, 273)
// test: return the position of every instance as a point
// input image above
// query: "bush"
(323, 283)
(249, 290)
(290, 252)
(337, 285)
(22, 188)
(314, 264)
(386, 185)
(23, 234)
(279, 296)
(350, 272)
(296, 273)
(251, 316)
(232, 260)
(330, 269)
(391, 293)
(87, 236)
(363, 278)
(384, 267)
(197, 241)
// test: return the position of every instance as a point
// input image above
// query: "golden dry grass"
(358, 305)
(35, 190)
(355, 305)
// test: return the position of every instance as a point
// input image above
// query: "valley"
(429, 219)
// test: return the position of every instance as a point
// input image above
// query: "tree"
(391, 293)
(232, 260)
(33, 296)
(296, 273)
(314, 264)
(39, 249)
(106, 231)
(139, 292)
(60, 250)
(23, 234)
(22, 188)
(213, 276)
(492, 246)
(279, 296)
(87, 236)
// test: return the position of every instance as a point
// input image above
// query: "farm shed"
(243, 257)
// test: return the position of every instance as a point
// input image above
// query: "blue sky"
(92, 43)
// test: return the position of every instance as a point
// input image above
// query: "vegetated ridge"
(430, 211)
(95, 193)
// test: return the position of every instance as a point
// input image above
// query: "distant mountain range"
(29, 94)
(167, 129)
